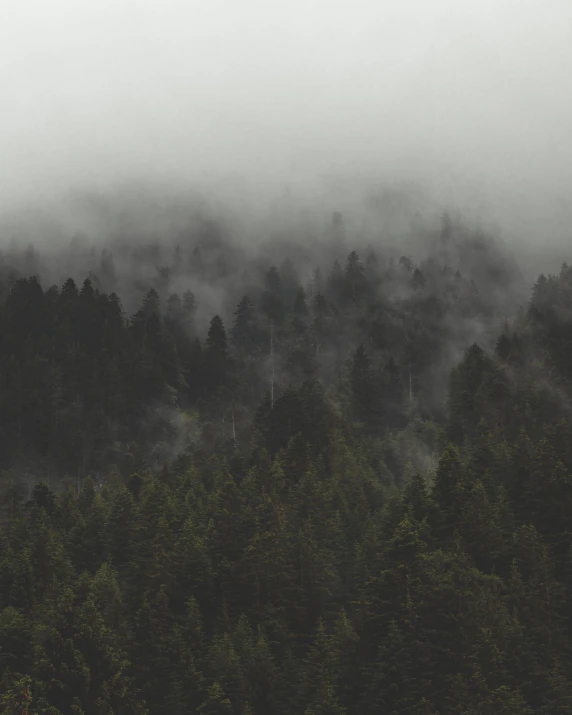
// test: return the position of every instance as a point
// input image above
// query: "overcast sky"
(474, 95)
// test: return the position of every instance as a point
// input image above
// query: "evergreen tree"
(246, 333)
(300, 304)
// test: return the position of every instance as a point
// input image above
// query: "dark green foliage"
(365, 392)
(216, 358)
(180, 535)
(246, 332)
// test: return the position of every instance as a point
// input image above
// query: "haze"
(470, 99)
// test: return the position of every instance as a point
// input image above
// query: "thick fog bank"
(384, 213)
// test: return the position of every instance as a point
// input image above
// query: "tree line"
(334, 540)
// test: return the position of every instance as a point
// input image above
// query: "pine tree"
(449, 492)
(393, 395)
(216, 702)
(246, 333)
(362, 387)
(354, 277)
(216, 359)
(300, 304)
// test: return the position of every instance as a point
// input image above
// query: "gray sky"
(473, 96)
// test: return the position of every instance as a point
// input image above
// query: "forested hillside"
(316, 478)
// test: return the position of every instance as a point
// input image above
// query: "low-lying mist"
(249, 101)
(377, 181)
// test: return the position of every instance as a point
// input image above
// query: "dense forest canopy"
(320, 472)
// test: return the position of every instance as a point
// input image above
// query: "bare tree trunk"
(410, 386)
(272, 360)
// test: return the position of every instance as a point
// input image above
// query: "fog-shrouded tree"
(356, 500)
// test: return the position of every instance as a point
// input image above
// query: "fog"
(468, 99)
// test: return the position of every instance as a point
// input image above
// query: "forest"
(325, 475)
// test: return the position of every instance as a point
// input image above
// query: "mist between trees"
(304, 463)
